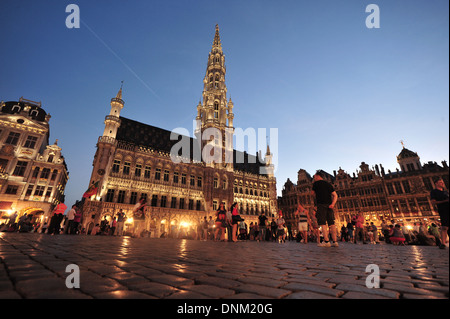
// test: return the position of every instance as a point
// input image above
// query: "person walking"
(326, 198)
(439, 198)
(302, 214)
(262, 226)
(120, 223)
(139, 217)
(70, 217)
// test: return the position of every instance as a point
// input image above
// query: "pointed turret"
(112, 121)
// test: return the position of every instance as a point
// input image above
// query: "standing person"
(229, 219)
(77, 219)
(350, 228)
(281, 223)
(139, 217)
(313, 224)
(302, 214)
(262, 226)
(236, 218)
(120, 223)
(439, 197)
(359, 220)
(375, 233)
(70, 217)
(211, 225)
(385, 231)
(273, 229)
(220, 222)
(326, 198)
(205, 229)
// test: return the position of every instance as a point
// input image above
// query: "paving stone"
(33, 265)
(156, 289)
(263, 290)
(210, 291)
(308, 295)
(172, 280)
(365, 290)
(295, 286)
(123, 294)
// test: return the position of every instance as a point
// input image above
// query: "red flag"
(92, 190)
(60, 208)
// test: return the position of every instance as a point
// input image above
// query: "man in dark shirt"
(326, 198)
(262, 227)
(439, 197)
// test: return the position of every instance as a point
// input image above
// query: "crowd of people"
(313, 225)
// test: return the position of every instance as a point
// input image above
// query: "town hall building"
(136, 160)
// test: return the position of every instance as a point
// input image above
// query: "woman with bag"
(236, 218)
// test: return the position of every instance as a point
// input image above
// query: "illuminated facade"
(33, 174)
(403, 195)
(133, 160)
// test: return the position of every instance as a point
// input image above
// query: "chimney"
(444, 163)
(382, 171)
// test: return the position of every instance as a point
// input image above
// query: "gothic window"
(30, 142)
(163, 201)
(216, 182)
(121, 196)
(147, 171)
(166, 175)
(110, 195)
(20, 168)
(175, 177)
(158, 174)
(126, 168)
(183, 179)
(216, 110)
(192, 180)
(137, 170)
(116, 165)
(199, 181)
(173, 203)
(154, 200)
(133, 198)
(45, 173)
(12, 138)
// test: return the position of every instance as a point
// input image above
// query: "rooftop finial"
(119, 94)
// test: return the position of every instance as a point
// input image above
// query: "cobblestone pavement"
(34, 266)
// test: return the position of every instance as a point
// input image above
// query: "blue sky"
(338, 92)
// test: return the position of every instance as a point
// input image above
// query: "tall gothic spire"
(216, 42)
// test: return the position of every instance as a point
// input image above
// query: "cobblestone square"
(34, 266)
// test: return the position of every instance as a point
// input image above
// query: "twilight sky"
(338, 92)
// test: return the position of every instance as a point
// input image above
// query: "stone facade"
(33, 174)
(403, 195)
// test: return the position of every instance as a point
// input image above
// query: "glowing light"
(130, 220)
(184, 224)
(409, 227)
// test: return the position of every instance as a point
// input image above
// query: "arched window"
(216, 110)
